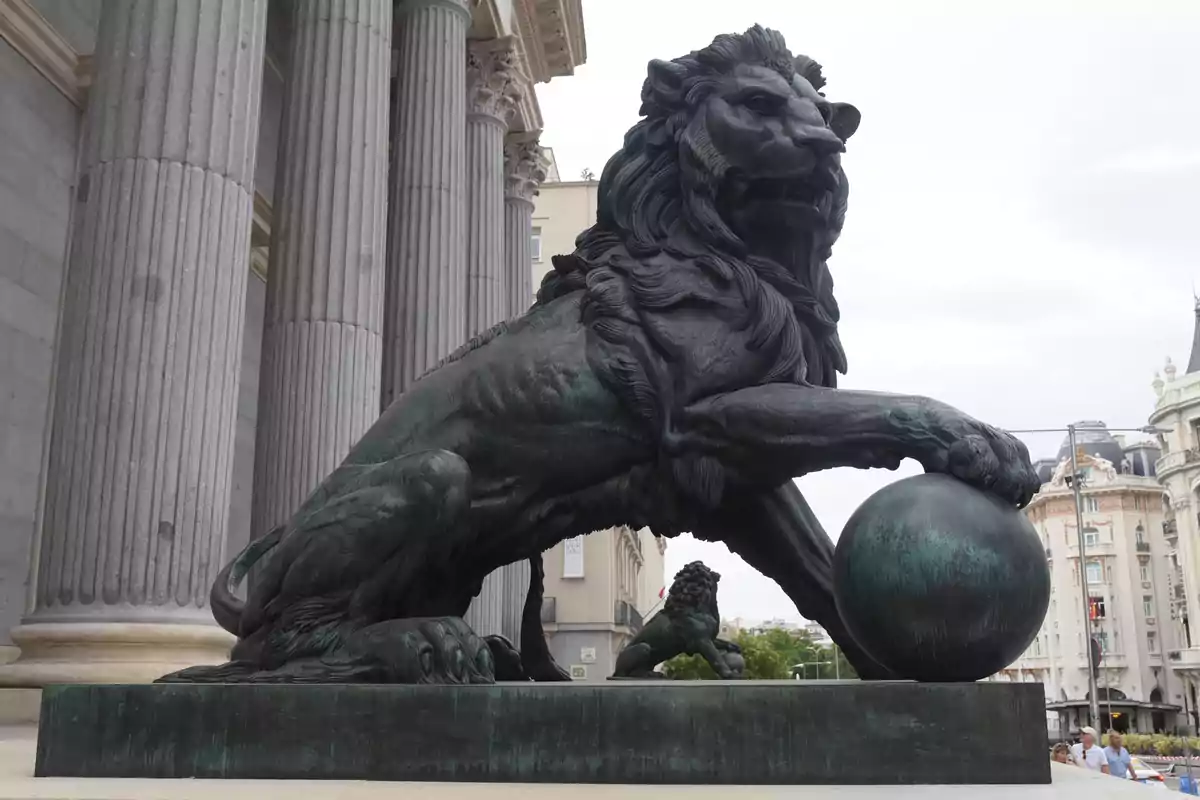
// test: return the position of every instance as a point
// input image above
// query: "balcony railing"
(625, 614)
(1170, 528)
(549, 610)
(1178, 590)
(1176, 459)
(1143, 547)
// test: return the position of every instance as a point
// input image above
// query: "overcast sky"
(1024, 225)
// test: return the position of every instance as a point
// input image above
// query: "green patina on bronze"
(934, 577)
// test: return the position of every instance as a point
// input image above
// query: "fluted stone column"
(149, 348)
(524, 171)
(425, 302)
(490, 100)
(322, 337)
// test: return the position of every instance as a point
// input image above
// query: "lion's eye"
(761, 103)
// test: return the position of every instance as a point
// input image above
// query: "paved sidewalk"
(18, 745)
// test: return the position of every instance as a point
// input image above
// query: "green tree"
(763, 662)
(772, 655)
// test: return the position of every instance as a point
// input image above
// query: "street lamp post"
(1094, 701)
(1083, 583)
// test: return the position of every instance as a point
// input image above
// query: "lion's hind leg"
(637, 661)
(347, 565)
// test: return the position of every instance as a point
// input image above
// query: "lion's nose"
(820, 140)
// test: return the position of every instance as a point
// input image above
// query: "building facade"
(1128, 571)
(230, 232)
(561, 211)
(599, 590)
(1177, 415)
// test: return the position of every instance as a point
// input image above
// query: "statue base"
(696, 732)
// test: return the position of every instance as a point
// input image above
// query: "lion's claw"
(982, 456)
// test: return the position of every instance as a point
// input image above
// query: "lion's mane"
(659, 244)
(694, 589)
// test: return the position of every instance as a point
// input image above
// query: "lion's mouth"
(810, 192)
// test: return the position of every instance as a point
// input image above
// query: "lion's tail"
(226, 608)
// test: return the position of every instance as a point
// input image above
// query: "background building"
(1177, 411)
(221, 243)
(561, 211)
(1128, 574)
(599, 590)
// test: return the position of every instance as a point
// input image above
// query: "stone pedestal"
(424, 307)
(322, 337)
(149, 347)
(658, 732)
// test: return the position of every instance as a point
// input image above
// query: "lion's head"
(741, 137)
(694, 589)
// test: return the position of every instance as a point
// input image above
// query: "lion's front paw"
(980, 455)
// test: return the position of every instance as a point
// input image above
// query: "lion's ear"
(665, 76)
(845, 120)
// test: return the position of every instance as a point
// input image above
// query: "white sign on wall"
(573, 557)
(587, 655)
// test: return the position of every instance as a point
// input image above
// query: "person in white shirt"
(1087, 754)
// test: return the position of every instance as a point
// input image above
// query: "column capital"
(493, 79)
(525, 166)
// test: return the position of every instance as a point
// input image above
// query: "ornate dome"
(1093, 438)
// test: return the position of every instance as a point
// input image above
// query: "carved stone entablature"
(552, 32)
(525, 166)
(493, 79)
(1181, 504)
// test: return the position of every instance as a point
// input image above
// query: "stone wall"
(39, 130)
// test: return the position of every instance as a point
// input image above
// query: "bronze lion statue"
(688, 624)
(676, 371)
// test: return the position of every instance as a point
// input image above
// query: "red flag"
(662, 593)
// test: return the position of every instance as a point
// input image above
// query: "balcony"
(1176, 460)
(1177, 591)
(549, 610)
(625, 614)
(1184, 659)
(1143, 547)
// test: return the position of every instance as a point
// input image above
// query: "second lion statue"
(687, 625)
(677, 371)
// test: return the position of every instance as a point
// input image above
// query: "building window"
(1037, 646)
(1091, 537)
(1137, 506)
(573, 557)
(1091, 505)
(1140, 534)
(1096, 607)
(1148, 605)
(1102, 638)
(1095, 573)
(1152, 641)
(535, 244)
(1144, 572)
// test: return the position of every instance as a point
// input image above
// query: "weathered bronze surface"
(677, 371)
(939, 581)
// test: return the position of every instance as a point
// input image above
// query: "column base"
(110, 652)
